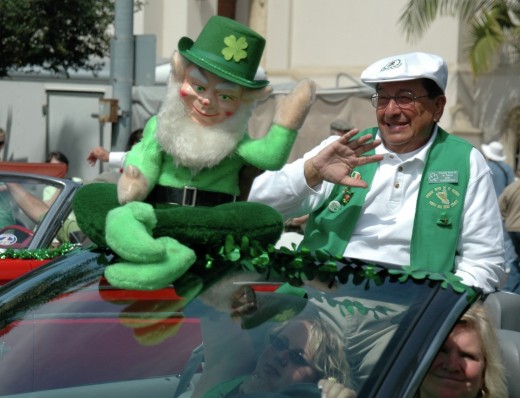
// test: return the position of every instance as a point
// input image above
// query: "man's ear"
(179, 65)
(440, 103)
(256, 95)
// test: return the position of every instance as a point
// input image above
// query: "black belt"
(188, 196)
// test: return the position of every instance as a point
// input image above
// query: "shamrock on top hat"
(227, 49)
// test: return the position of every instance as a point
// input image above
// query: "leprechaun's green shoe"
(152, 276)
(129, 233)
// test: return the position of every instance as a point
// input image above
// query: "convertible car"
(65, 332)
(35, 216)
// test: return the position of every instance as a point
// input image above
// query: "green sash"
(440, 204)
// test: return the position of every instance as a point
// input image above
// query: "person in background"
(36, 208)
(114, 159)
(339, 127)
(56, 157)
(501, 173)
(469, 363)
(509, 203)
(59, 157)
(301, 350)
(419, 205)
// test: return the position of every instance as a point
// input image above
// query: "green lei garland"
(296, 266)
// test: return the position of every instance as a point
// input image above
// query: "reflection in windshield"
(236, 333)
(282, 344)
(25, 205)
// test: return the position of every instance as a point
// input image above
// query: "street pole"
(122, 71)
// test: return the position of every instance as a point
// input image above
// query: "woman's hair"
(329, 351)
(60, 156)
(477, 319)
(329, 359)
(134, 138)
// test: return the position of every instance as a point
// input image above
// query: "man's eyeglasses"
(296, 357)
(403, 99)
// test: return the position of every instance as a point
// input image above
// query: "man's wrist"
(312, 176)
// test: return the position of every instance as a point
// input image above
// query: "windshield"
(31, 207)
(223, 333)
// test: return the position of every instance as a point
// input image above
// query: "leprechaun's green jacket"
(269, 152)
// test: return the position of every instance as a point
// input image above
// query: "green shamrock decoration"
(296, 266)
(235, 48)
(444, 221)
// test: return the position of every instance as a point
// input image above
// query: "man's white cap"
(409, 66)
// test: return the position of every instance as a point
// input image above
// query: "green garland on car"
(290, 265)
(297, 266)
(37, 254)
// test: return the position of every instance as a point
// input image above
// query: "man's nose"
(392, 107)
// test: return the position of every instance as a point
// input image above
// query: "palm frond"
(493, 23)
(486, 40)
(418, 15)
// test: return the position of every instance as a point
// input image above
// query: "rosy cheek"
(228, 114)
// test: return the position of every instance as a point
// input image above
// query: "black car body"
(64, 331)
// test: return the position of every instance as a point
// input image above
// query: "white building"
(330, 41)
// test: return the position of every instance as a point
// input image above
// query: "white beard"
(192, 145)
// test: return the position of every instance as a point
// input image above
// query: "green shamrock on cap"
(235, 48)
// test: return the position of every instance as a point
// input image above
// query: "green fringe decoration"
(296, 266)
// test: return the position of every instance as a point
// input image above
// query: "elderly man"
(428, 203)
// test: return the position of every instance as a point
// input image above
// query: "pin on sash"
(335, 205)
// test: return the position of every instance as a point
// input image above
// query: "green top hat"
(227, 49)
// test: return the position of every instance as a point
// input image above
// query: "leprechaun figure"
(177, 195)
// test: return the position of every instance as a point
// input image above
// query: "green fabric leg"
(201, 228)
(158, 245)
(152, 276)
(91, 204)
(129, 233)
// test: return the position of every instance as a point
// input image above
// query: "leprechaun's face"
(208, 98)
